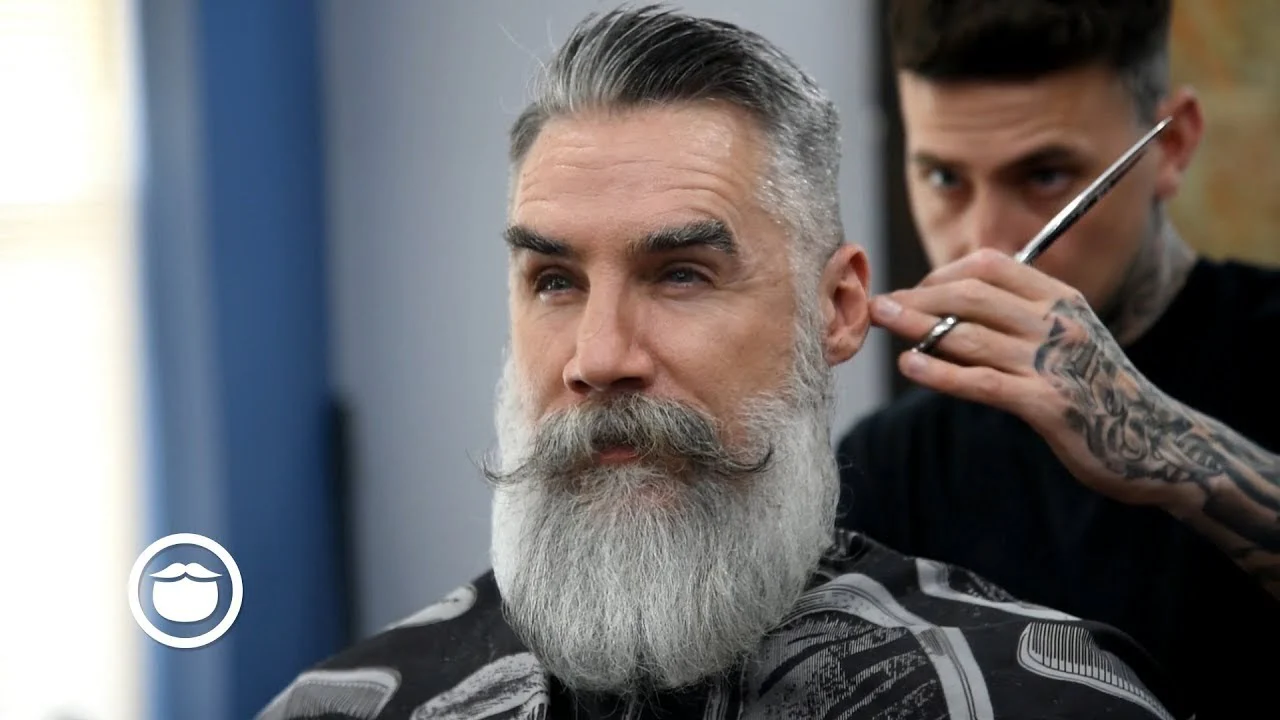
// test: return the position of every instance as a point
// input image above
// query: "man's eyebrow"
(711, 234)
(1056, 153)
(1047, 155)
(707, 233)
(928, 159)
(522, 238)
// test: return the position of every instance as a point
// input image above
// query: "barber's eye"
(1049, 180)
(942, 178)
(550, 282)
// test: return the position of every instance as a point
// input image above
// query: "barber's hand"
(1029, 344)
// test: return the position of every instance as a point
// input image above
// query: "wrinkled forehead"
(629, 172)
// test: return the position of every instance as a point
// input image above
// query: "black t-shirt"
(964, 483)
(876, 635)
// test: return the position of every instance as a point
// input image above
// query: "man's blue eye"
(684, 276)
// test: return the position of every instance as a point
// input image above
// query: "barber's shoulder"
(1246, 310)
(1252, 290)
(886, 435)
(1265, 283)
(897, 416)
(408, 661)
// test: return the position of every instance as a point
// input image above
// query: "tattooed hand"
(1030, 345)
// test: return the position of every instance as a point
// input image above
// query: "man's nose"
(994, 221)
(609, 356)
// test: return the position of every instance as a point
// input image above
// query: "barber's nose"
(993, 222)
(609, 356)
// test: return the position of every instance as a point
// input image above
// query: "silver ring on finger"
(939, 331)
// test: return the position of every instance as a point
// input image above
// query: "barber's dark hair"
(959, 40)
(637, 57)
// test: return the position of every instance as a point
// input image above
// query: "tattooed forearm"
(1142, 435)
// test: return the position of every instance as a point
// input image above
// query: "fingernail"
(886, 308)
(914, 363)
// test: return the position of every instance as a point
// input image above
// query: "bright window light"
(69, 410)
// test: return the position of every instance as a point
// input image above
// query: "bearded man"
(664, 538)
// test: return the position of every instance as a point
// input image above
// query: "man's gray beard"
(625, 579)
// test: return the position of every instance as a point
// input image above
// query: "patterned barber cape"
(876, 635)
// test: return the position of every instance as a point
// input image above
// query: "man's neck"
(1155, 279)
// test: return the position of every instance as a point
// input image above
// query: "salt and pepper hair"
(594, 578)
(638, 57)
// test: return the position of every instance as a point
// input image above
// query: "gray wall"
(420, 95)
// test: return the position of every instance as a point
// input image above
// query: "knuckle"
(988, 382)
(988, 259)
(965, 340)
(969, 291)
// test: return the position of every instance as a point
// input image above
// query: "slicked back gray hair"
(630, 58)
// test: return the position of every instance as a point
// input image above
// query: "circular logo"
(185, 593)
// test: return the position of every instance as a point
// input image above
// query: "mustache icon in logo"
(185, 593)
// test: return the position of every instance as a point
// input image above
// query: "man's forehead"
(633, 146)
(659, 128)
(1084, 90)
(630, 173)
(1066, 104)
(990, 124)
(672, 123)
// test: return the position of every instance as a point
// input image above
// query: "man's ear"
(842, 295)
(1179, 141)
